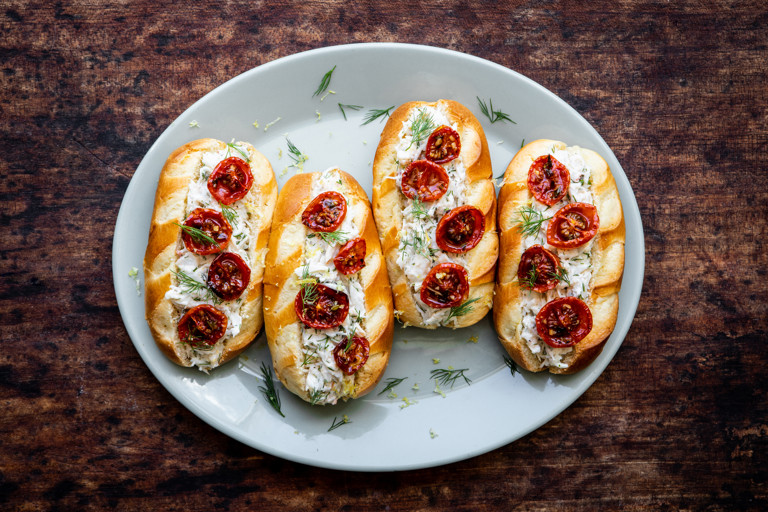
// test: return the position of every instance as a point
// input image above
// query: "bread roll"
(593, 270)
(303, 356)
(176, 279)
(407, 228)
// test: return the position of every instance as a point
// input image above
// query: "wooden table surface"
(678, 90)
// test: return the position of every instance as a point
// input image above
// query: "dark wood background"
(679, 90)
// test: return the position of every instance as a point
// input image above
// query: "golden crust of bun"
(164, 239)
(608, 255)
(286, 250)
(388, 204)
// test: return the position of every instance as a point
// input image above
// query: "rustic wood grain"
(679, 419)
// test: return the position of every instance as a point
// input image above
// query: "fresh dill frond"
(375, 114)
(421, 128)
(324, 83)
(336, 424)
(269, 390)
(418, 209)
(331, 237)
(449, 376)
(309, 358)
(197, 234)
(561, 275)
(530, 279)
(317, 396)
(231, 146)
(391, 383)
(342, 106)
(308, 286)
(511, 364)
(295, 153)
(194, 287)
(529, 220)
(461, 309)
(493, 115)
(230, 214)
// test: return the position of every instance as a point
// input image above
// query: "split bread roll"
(591, 271)
(218, 312)
(339, 347)
(459, 193)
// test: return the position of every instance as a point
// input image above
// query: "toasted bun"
(286, 254)
(607, 257)
(388, 204)
(165, 239)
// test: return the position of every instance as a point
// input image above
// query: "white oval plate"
(383, 433)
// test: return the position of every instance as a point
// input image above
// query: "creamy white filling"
(418, 251)
(578, 262)
(325, 382)
(196, 266)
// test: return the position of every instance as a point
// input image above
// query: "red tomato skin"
(201, 317)
(321, 314)
(446, 279)
(325, 212)
(548, 180)
(350, 361)
(425, 180)
(211, 222)
(532, 253)
(443, 145)
(221, 279)
(570, 216)
(230, 180)
(456, 220)
(557, 309)
(351, 257)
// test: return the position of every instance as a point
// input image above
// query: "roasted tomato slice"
(228, 276)
(538, 269)
(351, 354)
(231, 180)
(351, 257)
(573, 225)
(206, 231)
(443, 145)
(548, 180)
(460, 229)
(425, 180)
(564, 322)
(325, 212)
(202, 326)
(321, 307)
(446, 286)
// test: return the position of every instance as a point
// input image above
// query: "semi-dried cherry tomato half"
(425, 180)
(321, 307)
(228, 276)
(351, 257)
(206, 231)
(548, 180)
(538, 269)
(231, 180)
(564, 322)
(325, 212)
(351, 355)
(446, 286)
(460, 229)
(443, 145)
(202, 326)
(573, 225)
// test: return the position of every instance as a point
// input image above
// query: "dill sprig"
(418, 209)
(336, 424)
(391, 383)
(493, 115)
(561, 275)
(295, 153)
(374, 114)
(269, 390)
(308, 285)
(192, 286)
(449, 376)
(342, 106)
(331, 237)
(529, 220)
(316, 396)
(421, 128)
(231, 146)
(197, 234)
(461, 309)
(530, 279)
(325, 82)
(511, 364)
(230, 214)
(309, 358)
